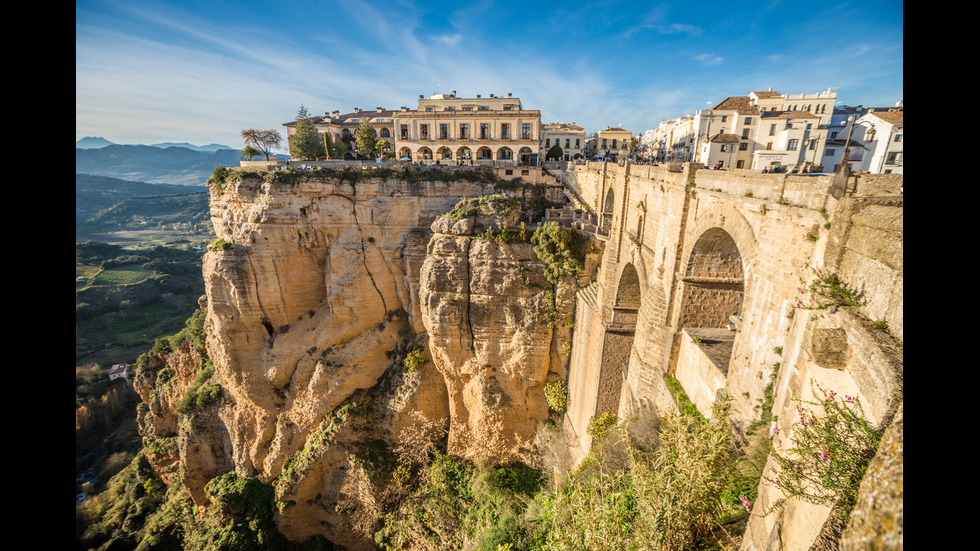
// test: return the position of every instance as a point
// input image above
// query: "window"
(614, 143)
(463, 129)
(809, 126)
(813, 145)
(424, 131)
(484, 131)
(748, 120)
(793, 145)
(505, 131)
(898, 137)
(769, 146)
(772, 130)
(894, 158)
(428, 109)
(443, 131)
(345, 133)
(576, 142)
(604, 146)
(526, 131)
(385, 133)
(833, 135)
(745, 134)
(740, 164)
(507, 107)
(724, 148)
(509, 172)
(567, 143)
(743, 147)
(829, 152)
(724, 118)
(404, 130)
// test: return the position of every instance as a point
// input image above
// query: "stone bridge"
(702, 278)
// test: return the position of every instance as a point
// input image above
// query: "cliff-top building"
(569, 137)
(450, 129)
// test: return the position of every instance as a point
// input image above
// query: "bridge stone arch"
(717, 261)
(617, 344)
(608, 207)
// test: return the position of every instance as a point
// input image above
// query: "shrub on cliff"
(562, 250)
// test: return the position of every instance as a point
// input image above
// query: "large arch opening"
(711, 296)
(617, 342)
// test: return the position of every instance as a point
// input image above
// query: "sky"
(202, 71)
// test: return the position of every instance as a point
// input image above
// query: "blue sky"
(201, 71)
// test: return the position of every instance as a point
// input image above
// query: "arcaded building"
(453, 130)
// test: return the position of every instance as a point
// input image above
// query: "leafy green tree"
(305, 143)
(366, 139)
(263, 140)
(338, 150)
(555, 152)
(383, 147)
(250, 151)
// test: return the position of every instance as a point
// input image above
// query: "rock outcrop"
(485, 305)
(314, 296)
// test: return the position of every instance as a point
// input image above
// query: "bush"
(562, 250)
(599, 425)
(414, 360)
(827, 455)
(557, 396)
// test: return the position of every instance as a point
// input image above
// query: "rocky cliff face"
(485, 306)
(316, 294)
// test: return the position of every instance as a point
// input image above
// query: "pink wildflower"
(746, 503)
(823, 456)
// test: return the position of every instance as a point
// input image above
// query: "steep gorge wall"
(309, 304)
(484, 307)
(322, 288)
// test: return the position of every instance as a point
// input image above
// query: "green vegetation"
(366, 139)
(562, 250)
(828, 455)
(105, 204)
(555, 153)
(126, 299)
(684, 404)
(452, 501)
(599, 425)
(202, 392)
(828, 291)
(414, 360)
(881, 325)
(556, 394)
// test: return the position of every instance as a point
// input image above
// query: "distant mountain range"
(92, 142)
(165, 163)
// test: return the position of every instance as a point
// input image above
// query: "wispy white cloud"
(709, 59)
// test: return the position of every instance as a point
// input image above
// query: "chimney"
(335, 114)
(454, 93)
(421, 96)
(357, 109)
(380, 109)
(509, 95)
(478, 96)
(404, 109)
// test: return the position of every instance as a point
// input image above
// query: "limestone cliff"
(485, 305)
(314, 295)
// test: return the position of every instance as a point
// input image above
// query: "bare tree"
(263, 140)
